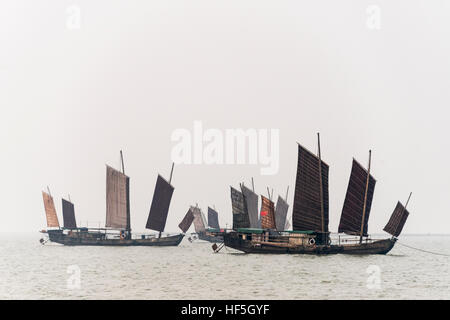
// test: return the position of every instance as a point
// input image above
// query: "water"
(29, 270)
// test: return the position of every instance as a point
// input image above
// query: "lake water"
(29, 270)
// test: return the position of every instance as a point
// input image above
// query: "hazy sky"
(135, 71)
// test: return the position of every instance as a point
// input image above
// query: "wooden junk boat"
(206, 230)
(310, 234)
(117, 231)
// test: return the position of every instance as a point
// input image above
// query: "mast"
(121, 160)
(170, 181)
(365, 198)
(320, 182)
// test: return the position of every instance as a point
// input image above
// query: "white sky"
(137, 70)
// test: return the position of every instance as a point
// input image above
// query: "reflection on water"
(29, 270)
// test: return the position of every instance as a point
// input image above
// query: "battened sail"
(199, 221)
(307, 210)
(251, 205)
(187, 221)
(267, 214)
(117, 199)
(240, 215)
(353, 210)
(213, 218)
(68, 214)
(159, 208)
(50, 211)
(397, 220)
(281, 210)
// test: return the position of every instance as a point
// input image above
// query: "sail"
(68, 214)
(50, 211)
(199, 223)
(352, 212)
(159, 209)
(267, 214)
(240, 215)
(187, 221)
(117, 199)
(307, 210)
(251, 204)
(397, 220)
(213, 218)
(281, 210)
(287, 225)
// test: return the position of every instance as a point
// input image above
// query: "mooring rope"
(418, 249)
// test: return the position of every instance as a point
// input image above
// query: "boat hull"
(210, 238)
(233, 240)
(98, 241)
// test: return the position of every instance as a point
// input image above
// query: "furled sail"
(199, 222)
(267, 214)
(50, 211)
(240, 215)
(251, 204)
(281, 210)
(353, 210)
(213, 218)
(117, 199)
(397, 220)
(68, 214)
(307, 210)
(187, 221)
(160, 205)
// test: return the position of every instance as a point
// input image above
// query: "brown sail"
(240, 215)
(199, 224)
(117, 199)
(68, 214)
(281, 210)
(397, 220)
(353, 210)
(160, 205)
(50, 211)
(307, 210)
(213, 218)
(267, 214)
(251, 205)
(187, 221)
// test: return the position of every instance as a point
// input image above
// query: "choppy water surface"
(29, 270)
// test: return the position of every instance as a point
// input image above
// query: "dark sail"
(267, 214)
(281, 210)
(50, 211)
(117, 199)
(397, 220)
(160, 205)
(199, 221)
(213, 218)
(307, 210)
(187, 221)
(352, 212)
(251, 204)
(240, 215)
(68, 214)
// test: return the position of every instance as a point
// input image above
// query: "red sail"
(50, 211)
(397, 220)
(307, 210)
(352, 212)
(267, 219)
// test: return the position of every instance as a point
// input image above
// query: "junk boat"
(206, 230)
(117, 231)
(310, 234)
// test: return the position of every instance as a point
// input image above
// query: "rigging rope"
(418, 249)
